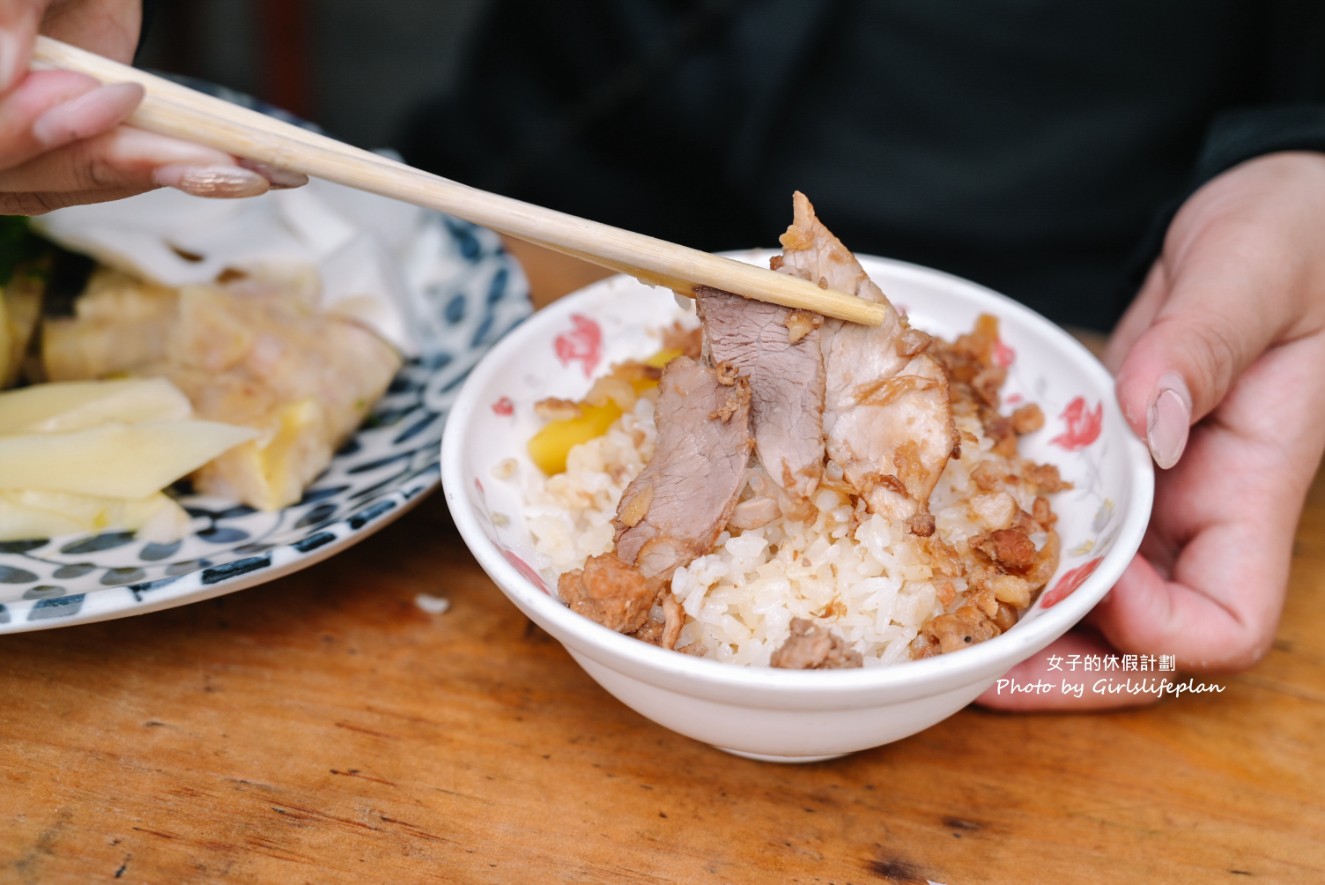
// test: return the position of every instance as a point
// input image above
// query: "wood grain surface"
(326, 728)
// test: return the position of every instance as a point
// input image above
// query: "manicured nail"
(1169, 420)
(89, 114)
(212, 181)
(279, 178)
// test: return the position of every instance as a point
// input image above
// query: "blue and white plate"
(478, 294)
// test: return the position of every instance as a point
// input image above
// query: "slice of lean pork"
(776, 349)
(674, 509)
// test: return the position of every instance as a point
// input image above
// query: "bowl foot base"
(789, 760)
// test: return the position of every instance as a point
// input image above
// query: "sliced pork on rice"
(887, 415)
(674, 509)
(798, 497)
(777, 350)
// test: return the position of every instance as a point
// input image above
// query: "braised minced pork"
(812, 646)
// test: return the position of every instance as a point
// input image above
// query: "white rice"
(873, 586)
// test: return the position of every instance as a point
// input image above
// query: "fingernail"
(89, 114)
(1169, 420)
(212, 181)
(279, 178)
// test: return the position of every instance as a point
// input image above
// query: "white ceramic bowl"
(769, 713)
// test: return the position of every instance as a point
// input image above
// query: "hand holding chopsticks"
(178, 111)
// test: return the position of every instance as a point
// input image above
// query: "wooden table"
(325, 728)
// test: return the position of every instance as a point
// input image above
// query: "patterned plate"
(478, 293)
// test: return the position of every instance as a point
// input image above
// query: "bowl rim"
(987, 659)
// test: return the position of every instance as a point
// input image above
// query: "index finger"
(19, 20)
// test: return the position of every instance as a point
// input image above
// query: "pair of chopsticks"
(175, 110)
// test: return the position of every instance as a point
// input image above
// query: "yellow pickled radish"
(550, 447)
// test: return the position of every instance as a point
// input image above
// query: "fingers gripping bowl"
(795, 715)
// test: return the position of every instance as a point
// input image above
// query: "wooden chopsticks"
(175, 110)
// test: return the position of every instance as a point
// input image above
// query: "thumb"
(1211, 323)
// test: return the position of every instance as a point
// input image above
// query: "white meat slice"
(887, 415)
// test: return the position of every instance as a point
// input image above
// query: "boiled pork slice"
(674, 509)
(887, 415)
(777, 350)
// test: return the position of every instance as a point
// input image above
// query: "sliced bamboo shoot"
(76, 405)
(114, 460)
(30, 513)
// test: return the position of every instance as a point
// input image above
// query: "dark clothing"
(1034, 146)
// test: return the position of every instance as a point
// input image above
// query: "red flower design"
(526, 570)
(504, 407)
(1070, 581)
(1083, 425)
(582, 344)
(1004, 356)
